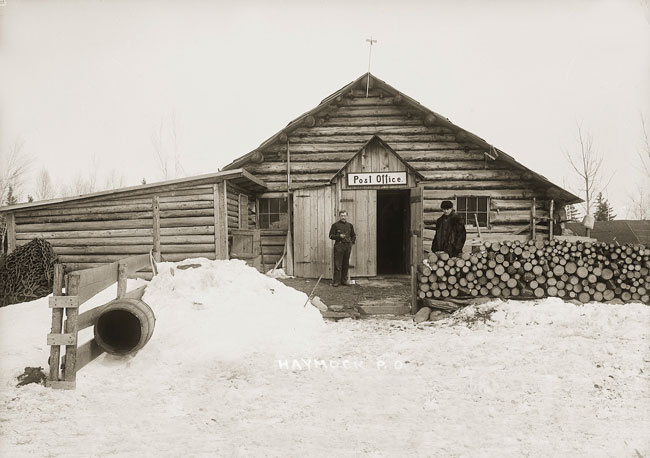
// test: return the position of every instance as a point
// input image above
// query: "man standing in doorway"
(343, 235)
(450, 231)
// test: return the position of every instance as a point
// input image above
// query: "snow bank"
(543, 378)
(226, 309)
(222, 310)
(592, 319)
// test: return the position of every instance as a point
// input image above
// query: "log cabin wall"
(93, 233)
(233, 207)
(451, 164)
(97, 230)
(272, 247)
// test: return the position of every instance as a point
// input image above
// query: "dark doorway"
(393, 231)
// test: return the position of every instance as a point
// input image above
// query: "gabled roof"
(377, 139)
(556, 193)
(636, 232)
(240, 177)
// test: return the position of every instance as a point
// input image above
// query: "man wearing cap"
(343, 235)
(450, 231)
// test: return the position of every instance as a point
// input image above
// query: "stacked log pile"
(581, 271)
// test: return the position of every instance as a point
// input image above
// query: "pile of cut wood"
(582, 271)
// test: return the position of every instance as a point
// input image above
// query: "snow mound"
(593, 318)
(226, 309)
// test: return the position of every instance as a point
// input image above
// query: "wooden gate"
(361, 206)
(313, 211)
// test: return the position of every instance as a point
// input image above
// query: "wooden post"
(288, 167)
(532, 220)
(57, 324)
(289, 256)
(414, 272)
(243, 211)
(71, 314)
(220, 220)
(550, 224)
(121, 280)
(10, 219)
(155, 204)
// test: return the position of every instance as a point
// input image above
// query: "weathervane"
(371, 41)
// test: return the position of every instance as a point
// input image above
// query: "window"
(273, 213)
(468, 206)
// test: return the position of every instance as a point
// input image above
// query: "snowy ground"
(237, 367)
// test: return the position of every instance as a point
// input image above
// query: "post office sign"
(377, 179)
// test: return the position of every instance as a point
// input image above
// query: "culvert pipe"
(124, 326)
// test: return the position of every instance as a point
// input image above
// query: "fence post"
(121, 280)
(57, 324)
(71, 314)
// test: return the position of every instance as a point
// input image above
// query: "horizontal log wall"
(233, 206)
(89, 233)
(273, 242)
(450, 167)
(190, 218)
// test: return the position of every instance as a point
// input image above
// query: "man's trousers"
(342, 252)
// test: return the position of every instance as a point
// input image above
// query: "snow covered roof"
(622, 231)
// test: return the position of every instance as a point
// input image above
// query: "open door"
(361, 206)
(417, 248)
(313, 215)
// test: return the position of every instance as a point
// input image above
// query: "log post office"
(367, 148)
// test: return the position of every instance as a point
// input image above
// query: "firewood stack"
(582, 271)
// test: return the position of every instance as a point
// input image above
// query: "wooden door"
(417, 240)
(361, 206)
(313, 215)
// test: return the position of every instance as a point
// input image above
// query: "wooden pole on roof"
(371, 41)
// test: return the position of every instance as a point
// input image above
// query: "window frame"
(470, 222)
(267, 212)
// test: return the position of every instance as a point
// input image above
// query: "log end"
(429, 120)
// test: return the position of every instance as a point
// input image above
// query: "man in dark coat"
(450, 231)
(343, 235)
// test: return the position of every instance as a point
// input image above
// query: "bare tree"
(44, 186)
(587, 163)
(640, 206)
(83, 182)
(644, 152)
(165, 145)
(14, 165)
(640, 199)
(114, 180)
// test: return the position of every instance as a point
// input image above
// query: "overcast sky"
(96, 78)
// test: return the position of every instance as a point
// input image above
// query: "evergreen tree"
(604, 211)
(11, 198)
(30, 198)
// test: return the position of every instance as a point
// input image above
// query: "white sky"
(97, 77)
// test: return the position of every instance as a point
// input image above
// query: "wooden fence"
(80, 286)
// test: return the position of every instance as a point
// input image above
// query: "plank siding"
(313, 217)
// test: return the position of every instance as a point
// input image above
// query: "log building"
(367, 148)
